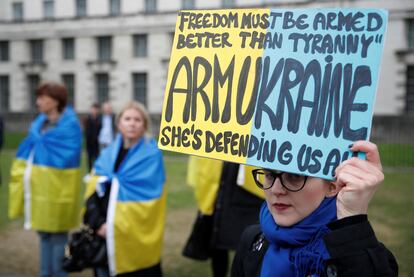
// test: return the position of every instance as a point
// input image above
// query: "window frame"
(68, 48)
(70, 87)
(115, 7)
(50, 9)
(31, 89)
(228, 3)
(410, 33)
(104, 55)
(4, 51)
(137, 41)
(151, 6)
(18, 11)
(409, 89)
(188, 4)
(37, 51)
(5, 93)
(81, 8)
(99, 88)
(140, 90)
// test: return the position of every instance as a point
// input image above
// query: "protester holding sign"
(289, 90)
(45, 176)
(315, 227)
(228, 201)
(126, 198)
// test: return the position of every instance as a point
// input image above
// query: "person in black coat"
(92, 127)
(313, 227)
(213, 236)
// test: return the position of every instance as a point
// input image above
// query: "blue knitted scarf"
(297, 250)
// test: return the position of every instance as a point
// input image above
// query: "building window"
(409, 101)
(69, 82)
(4, 51)
(140, 45)
(104, 48)
(68, 48)
(36, 51)
(33, 82)
(115, 7)
(188, 4)
(4, 92)
(227, 3)
(411, 33)
(81, 8)
(17, 8)
(102, 87)
(150, 6)
(140, 87)
(48, 9)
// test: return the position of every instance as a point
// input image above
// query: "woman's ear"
(332, 190)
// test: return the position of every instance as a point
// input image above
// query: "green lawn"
(12, 140)
(397, 155)
(390, 212)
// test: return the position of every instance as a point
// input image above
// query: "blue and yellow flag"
(204, 175)
(136, 210)
(45, 176)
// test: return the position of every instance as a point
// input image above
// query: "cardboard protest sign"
(285, 89)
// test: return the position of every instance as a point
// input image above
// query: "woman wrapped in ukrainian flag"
(126, 198)
(45, 177)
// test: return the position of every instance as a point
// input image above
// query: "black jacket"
(92, 128)
(234, 210)
(352, 245)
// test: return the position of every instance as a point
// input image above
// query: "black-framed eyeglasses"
(266, 178)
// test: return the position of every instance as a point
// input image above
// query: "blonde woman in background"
(126, 203)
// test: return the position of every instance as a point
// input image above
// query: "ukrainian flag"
(204, 176)
(45, 175)
(136, 210)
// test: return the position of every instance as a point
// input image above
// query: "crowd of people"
(280, 223)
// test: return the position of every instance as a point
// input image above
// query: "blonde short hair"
(141, 109)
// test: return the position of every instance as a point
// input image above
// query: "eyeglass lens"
(290, 181)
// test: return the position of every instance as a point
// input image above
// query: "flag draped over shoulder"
(45, 175)
(136, 210)
(204, 175)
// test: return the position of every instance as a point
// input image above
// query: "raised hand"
(358, 180)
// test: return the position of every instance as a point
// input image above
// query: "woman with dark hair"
(315, 227)
(45, 176)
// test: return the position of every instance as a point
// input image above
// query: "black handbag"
(85, 249)
(198, 244)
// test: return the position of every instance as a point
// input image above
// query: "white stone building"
(119, 49)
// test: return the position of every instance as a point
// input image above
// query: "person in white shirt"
(107, 132)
